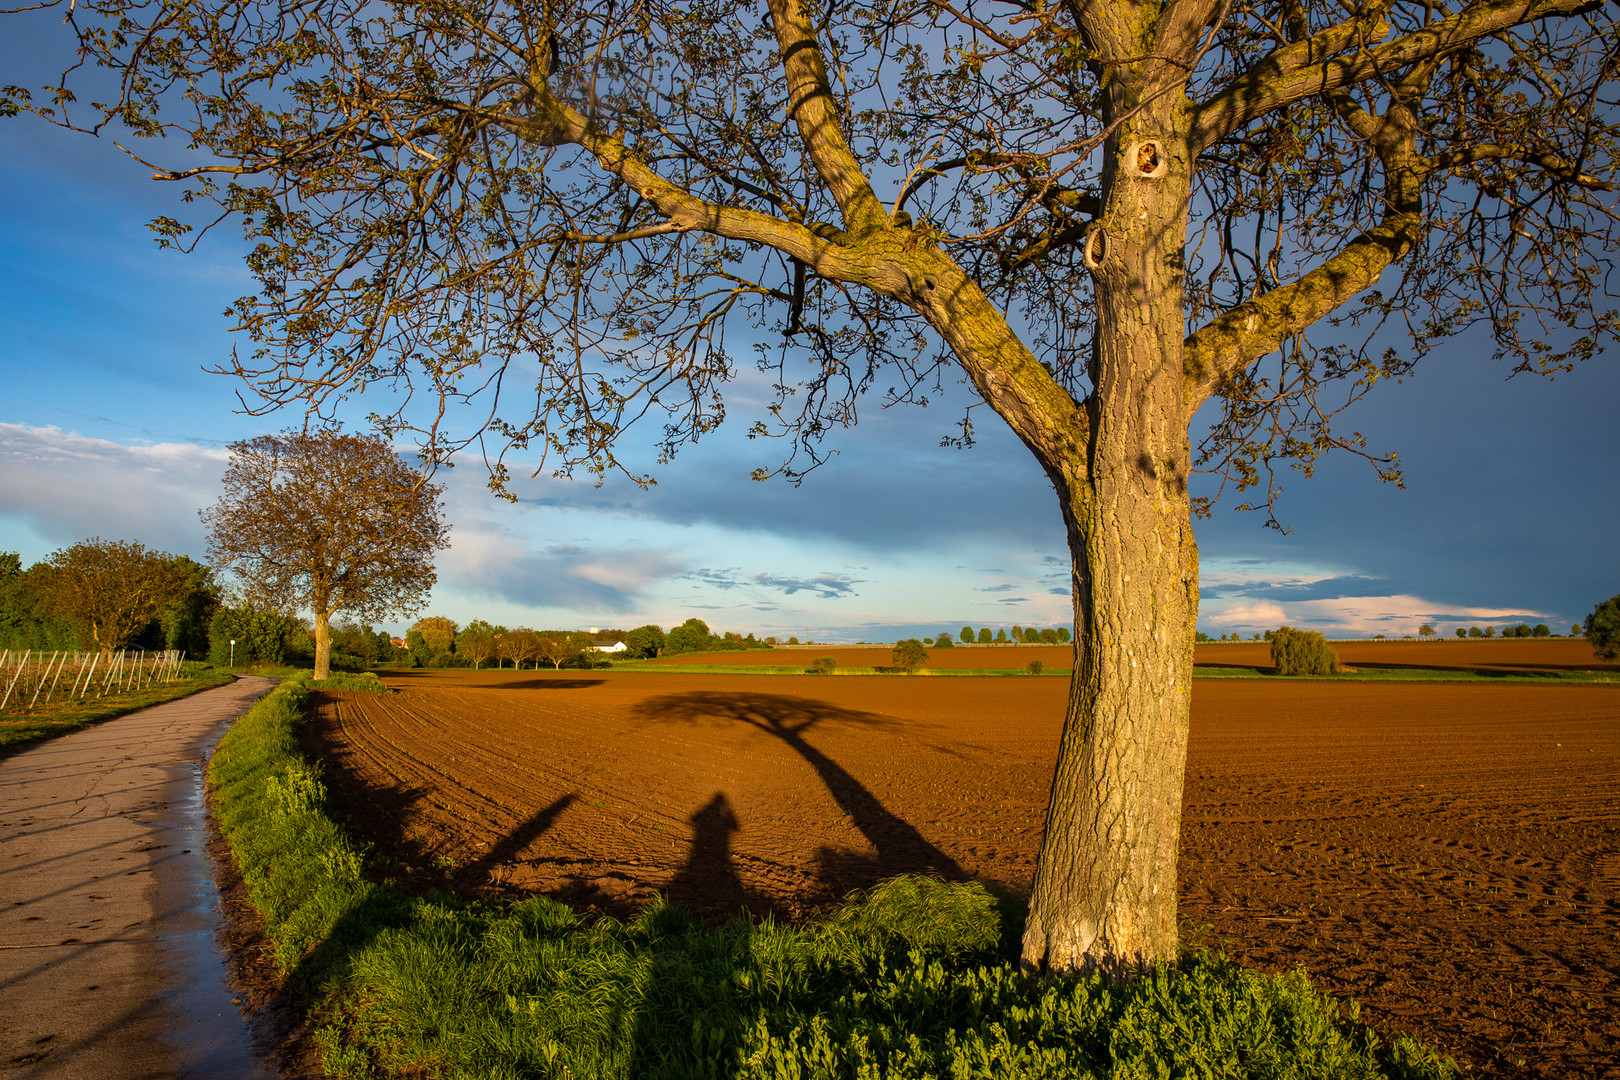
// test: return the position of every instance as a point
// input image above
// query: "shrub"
(1603, 629)
(821, 665)
(365, 683)
(1302, 652)
(909, 655)
(1034, 667)
(944, 642)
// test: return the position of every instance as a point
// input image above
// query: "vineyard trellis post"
(13, 684)
(44, 675)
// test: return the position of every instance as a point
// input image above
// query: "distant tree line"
(1029, 635)
(438, 642)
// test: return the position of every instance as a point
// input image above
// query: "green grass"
(913, 980)
(1483, 675)
(61, 717)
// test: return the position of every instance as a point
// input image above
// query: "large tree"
(329, 522)
(1104, 214)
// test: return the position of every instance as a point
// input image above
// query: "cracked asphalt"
(108, 963)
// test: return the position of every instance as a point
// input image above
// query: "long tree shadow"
(901, 849)
(510, 846)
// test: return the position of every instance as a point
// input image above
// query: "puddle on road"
(207, 1033)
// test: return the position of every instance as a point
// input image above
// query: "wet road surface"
(109, 968)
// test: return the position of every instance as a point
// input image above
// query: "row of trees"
(107, 595)
(436, 641)
(1052, 635)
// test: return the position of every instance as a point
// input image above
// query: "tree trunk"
(323, 644)
(1105, 884)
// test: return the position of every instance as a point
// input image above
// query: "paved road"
(108, 967)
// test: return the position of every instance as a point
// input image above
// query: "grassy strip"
(62, 717)
(914, 979)
(1480, 675)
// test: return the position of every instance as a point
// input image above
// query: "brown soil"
(1448, 855)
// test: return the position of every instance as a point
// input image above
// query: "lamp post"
(233, 652)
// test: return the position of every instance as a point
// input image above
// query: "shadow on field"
(901, 849)
(707, 884)
(510, 846)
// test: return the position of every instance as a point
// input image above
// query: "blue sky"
(109, 426)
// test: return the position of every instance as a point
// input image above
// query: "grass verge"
(914, 979)
(62, 717)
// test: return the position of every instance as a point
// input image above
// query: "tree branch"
(811, 105)
(1314, 66)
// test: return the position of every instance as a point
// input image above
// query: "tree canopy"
(557, 220)
(1602, 629)
(110, 590)
(329, 522)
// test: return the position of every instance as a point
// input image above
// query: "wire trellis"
(27, 675)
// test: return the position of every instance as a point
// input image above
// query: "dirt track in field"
(1448, 855)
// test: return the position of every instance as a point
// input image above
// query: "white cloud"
(63, 487)
(1354, 616)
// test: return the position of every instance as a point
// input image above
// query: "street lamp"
(233, 652)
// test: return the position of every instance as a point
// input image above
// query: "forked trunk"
(323, 644)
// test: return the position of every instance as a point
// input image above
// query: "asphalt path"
(109, 968)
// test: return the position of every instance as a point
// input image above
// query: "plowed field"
(1448, 855)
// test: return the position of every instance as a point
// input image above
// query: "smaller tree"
(1461, 632)
(260, 636)
(1602, 629)
(1302, 652)
(821, 665)
(108, 590)
(1035, 667)
(438, 634)
(967, 635)
(1574, 631)
(646, 641)
(1490, 631)
(691, 636)
(328, 522)
(909, 654)
(559, 646)
(1475, 632)
(476, 643)
(1541, 630)
(1426, 631)
(984, 635)
(1001, 634)
(944, 641)
(512, 645)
